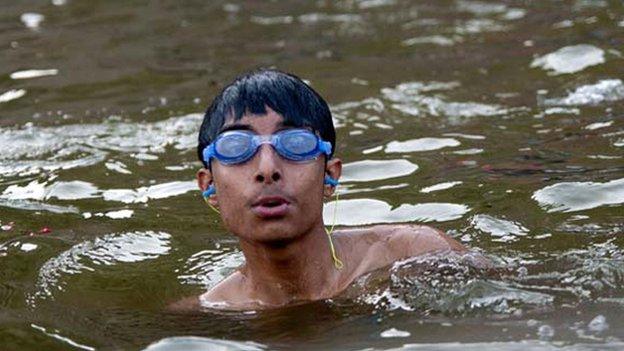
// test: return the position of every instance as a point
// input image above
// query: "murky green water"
(499, 122)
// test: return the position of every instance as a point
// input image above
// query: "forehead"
(266, 123)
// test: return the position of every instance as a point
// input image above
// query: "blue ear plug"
(210, 191)
(330, 181)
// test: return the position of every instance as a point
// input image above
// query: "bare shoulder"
(226, 292)
(218, 297)
(417, 239)
(381, 245)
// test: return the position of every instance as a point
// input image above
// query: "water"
(498, 122)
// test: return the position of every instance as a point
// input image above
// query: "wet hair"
(284, 93)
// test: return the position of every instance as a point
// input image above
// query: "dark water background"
(499, 122)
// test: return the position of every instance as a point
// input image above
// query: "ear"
(204, 180)
(334, 170)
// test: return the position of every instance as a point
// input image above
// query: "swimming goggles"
(237, 146)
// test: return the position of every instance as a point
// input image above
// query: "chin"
(275, 234)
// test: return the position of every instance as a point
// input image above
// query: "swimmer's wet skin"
(267, 144)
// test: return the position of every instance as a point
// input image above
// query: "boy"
(267, 144)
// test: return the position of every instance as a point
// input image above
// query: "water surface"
(500, 122)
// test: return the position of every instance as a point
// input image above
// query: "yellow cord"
(212, 207)
(337, 262)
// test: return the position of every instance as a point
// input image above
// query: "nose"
(268, 165)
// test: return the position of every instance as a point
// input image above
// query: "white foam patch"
(72, 190)
(27, 247)
(31, 149)
(570, 59)
(143, 194)
(578, 196)
(32, 20)
(367, 4)
(434, 39)
(12, 95)
(500, 229)
(439, 186)
(607, 90)
(394, 333)
(598, 125)
(313, 18)
(272, 20)
(371, 170)
(480, 8)
(118, 167)
(198, 343)
(34, 73)
(420, 99)
(121, 214)
(370, 211)
(33, 190)
(421, 144)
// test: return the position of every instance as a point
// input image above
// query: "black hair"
(284, 93)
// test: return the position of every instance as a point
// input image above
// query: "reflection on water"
(369, 211)
(109, 250)
(570, 59)
(371, 170)
(198, 343)
(576, 196)
(498, 122)
(607, 90)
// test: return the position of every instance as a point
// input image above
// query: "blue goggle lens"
(299, 143)
(239, 146)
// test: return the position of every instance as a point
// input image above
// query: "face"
(269, 198)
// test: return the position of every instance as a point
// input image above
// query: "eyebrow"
(243, 126)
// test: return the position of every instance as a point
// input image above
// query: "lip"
(270, 207)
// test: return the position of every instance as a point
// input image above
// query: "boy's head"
(284, 93)
(268, 197)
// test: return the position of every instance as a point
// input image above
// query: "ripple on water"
(440, 186)
(499, 229)
(202, 343)
(31, 149)
(607, 90)
(420, 144)
(12, 95)
(208, 267)
(370, 170)
(570, 59)
(17, 196)
(418, 98)
(108, 250)
(33, 73)
(577, 196)
(370, 211)
(143, 194)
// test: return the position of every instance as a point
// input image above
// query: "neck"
(299, 269)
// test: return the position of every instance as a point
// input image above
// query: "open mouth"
(271, 207)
